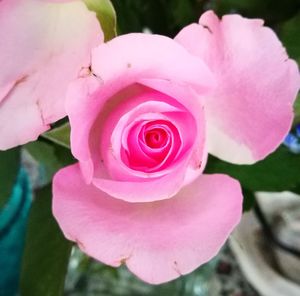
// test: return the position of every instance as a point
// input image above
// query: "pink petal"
(153, 189)
(83, 107)
(129, 58)
(42, 49)
(250, 112)
(158, 241)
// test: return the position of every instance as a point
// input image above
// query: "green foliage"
(106, 15)
(278, 172)
(44, 154)
(9, 168)
(165, 17)
(289, 34)
(249, 200)
(59, 135)
(51, 157)
(296, 189)
(272, 11)
(47, 252)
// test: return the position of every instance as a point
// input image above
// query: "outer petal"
(129, 58)
(158, 241)
(42, 49)
(145, 190)
(251, 110)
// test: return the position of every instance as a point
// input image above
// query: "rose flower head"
(142, 124)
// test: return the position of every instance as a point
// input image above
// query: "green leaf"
(9, 168)
(278, 172)
(47, 252)
(59, 135)
(289, 34)
(106, 15)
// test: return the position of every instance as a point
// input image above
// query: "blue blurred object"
(292, 140)
(13, 220)
(298, 130)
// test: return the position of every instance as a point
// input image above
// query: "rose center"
(156, 138)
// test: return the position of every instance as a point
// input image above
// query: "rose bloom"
(142, 124)
(42, 49)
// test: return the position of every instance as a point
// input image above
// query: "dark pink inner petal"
(156, 138)
(158, 153)
(150, 145)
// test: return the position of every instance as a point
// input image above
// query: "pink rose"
(42, 49)
(142, 124)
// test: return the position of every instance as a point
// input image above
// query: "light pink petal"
(43, 47)
(83, 108)
(158, 241)
(251, 110)
(129, 58)
(162, 187)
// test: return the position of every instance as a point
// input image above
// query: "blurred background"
(262, 257)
